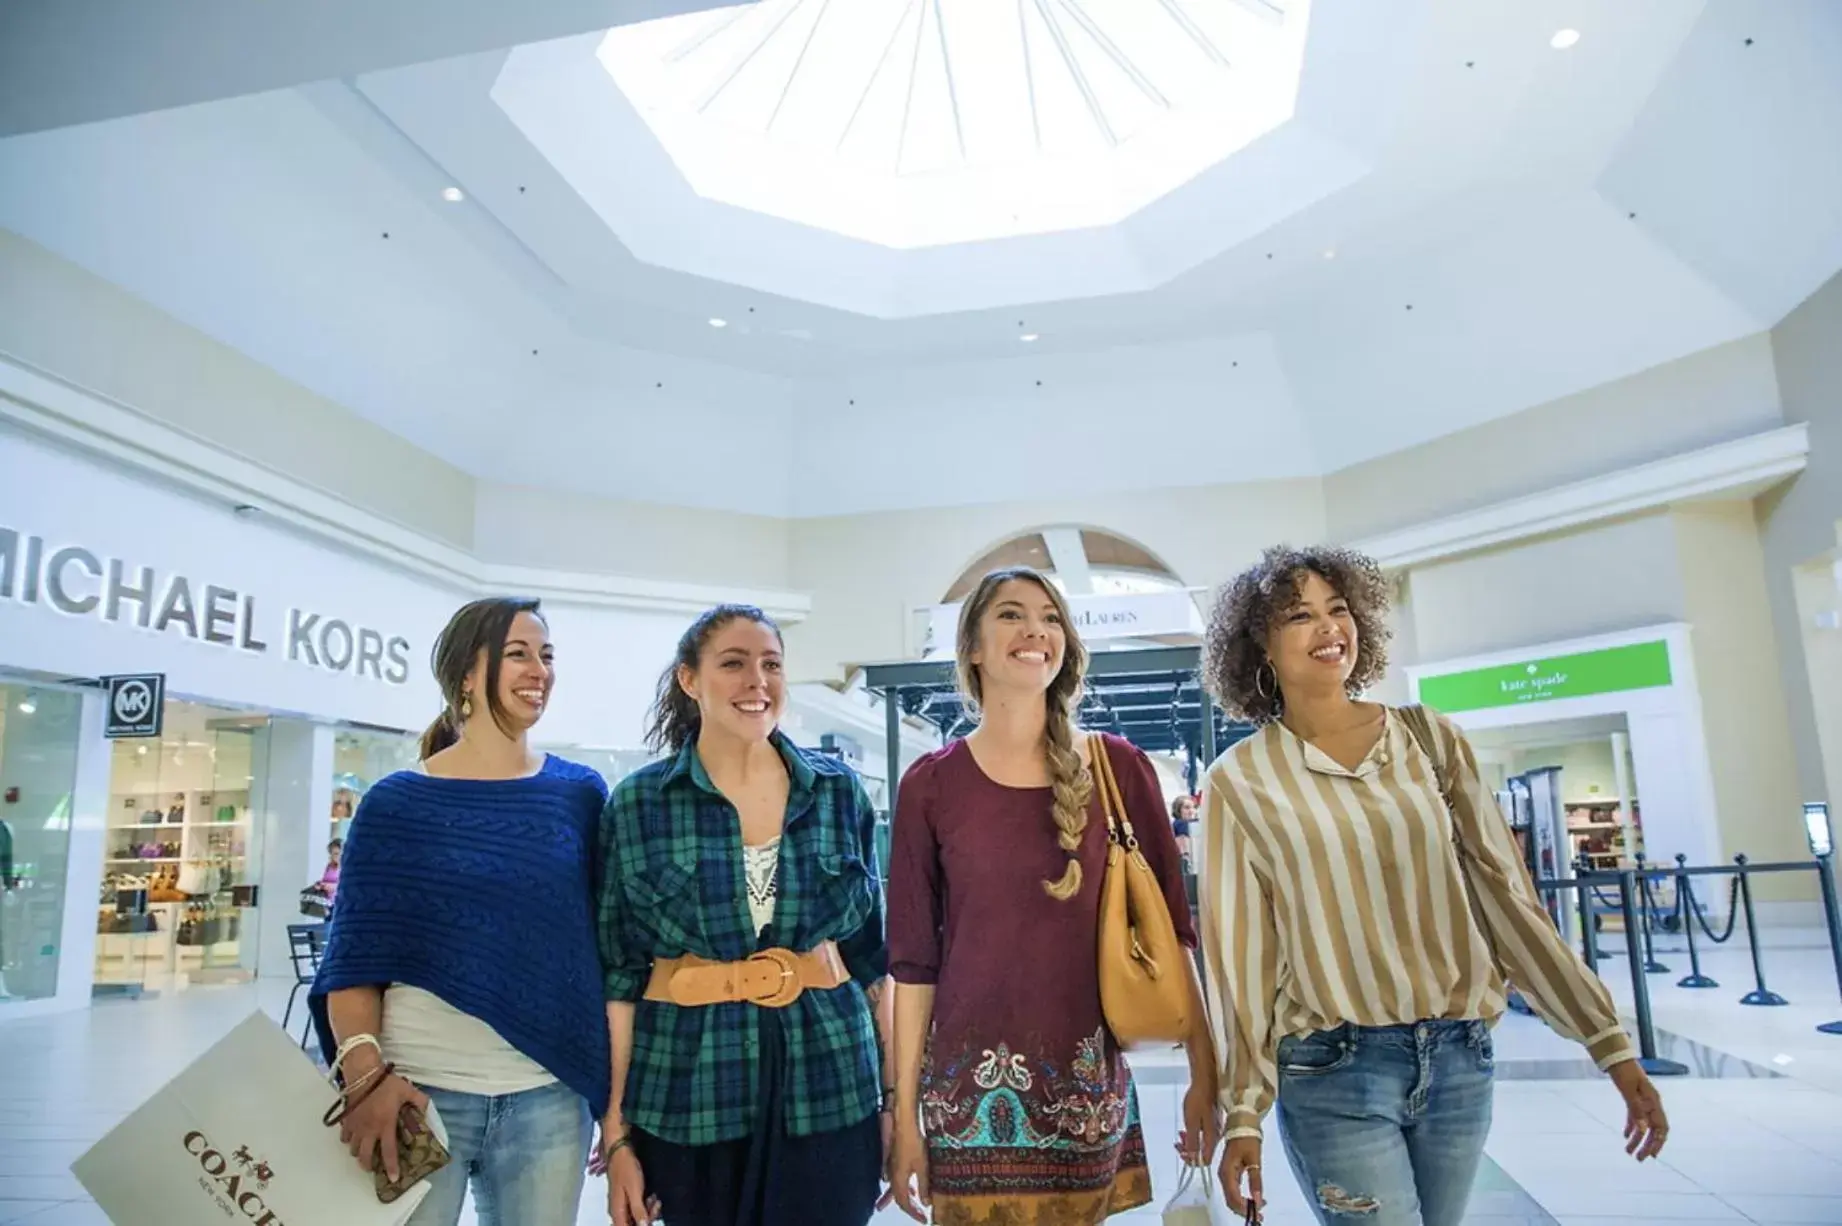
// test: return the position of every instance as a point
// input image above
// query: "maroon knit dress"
(1029, 1110)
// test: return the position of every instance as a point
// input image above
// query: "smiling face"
(1313, 644)
(527, 674)
(739, 683)
(1021, 640)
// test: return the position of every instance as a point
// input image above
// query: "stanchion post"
(1652, 1063)
(1832, 917)
(1685, 895)
(1760, 995)
(1589, 939)
(1651, 965)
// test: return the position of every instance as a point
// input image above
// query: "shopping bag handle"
(1192, 1171)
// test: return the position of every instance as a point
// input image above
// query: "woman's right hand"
(1241, 1157)
(628, 1204)
(908, 1171)
(369, 1130)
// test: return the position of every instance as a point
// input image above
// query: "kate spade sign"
(80, 582)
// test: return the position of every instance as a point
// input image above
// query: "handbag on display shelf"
(198, 877)
(240, 1134)
(1144, 985)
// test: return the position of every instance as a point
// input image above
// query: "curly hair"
(1234, 648)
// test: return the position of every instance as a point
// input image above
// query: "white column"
(291, 801)
(1621, 780)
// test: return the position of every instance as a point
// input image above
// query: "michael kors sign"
(78, 582)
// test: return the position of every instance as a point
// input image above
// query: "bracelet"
(351, 1096)
(625, 1141)
(351, 1045)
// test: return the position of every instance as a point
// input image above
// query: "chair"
(305, 943)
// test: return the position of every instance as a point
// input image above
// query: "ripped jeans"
(1384, 1125)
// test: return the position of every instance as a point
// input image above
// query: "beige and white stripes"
(1333, 896)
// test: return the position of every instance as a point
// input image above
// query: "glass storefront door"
(39, 733)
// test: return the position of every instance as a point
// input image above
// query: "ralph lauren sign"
(79, 582)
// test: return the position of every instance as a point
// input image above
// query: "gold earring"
(466, 707)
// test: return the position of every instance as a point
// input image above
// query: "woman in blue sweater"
(461, 966)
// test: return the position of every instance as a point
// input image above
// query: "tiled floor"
(1746, 1145)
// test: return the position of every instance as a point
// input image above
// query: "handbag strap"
(1112, 801)
(1421, 726)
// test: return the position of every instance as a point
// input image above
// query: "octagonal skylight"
(918, 123)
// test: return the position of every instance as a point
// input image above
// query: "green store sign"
(1641, 666)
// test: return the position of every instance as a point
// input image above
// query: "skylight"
(918, 123)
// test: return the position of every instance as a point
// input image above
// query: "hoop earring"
(1271, 688)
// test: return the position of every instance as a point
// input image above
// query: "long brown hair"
(1072, 784)
(675, 720)
(479, 626)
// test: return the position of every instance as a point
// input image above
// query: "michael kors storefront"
(292, 672)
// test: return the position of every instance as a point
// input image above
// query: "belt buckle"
(786, 964)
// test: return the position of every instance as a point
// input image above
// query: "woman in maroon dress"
(1013, 1104)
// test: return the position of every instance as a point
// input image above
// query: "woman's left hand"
(1646, 1127)
(1202, 1125)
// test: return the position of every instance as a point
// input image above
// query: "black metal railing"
(1636, 905)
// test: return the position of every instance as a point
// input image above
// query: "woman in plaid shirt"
(741, 924)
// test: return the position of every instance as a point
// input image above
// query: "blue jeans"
(1385, 1125)
(525, 1156)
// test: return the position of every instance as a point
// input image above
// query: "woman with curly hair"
(1013, 1103)
(1363, 909)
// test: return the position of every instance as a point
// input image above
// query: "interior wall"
(519, 525)
(1586, 768)
(1803, 522)
(866, 573)
(1819, 596)
(1743, 706)
(1710, 397)
(1594, 581)
(63, 320)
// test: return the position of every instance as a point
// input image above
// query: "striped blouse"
(1333, 896)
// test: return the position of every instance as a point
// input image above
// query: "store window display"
(39, 730)
(181, 853)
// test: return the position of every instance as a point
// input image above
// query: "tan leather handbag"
(1144, 986)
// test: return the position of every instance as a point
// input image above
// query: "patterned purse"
(420, 1152)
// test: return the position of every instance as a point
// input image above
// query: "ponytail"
(439, 735)
(674, 719)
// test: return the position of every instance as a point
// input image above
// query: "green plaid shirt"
(672, 884)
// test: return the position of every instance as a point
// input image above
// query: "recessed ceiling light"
(1027, 337)
(1330, 253)
(719, 323)
(28, 705)
(453, 195)
(1564, 39)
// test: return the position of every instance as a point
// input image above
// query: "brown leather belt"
(773, 978)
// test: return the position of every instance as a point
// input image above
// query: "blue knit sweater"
(481, 892)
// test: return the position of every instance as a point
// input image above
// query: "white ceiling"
(1510, 223)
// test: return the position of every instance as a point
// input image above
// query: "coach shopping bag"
(235, 1138)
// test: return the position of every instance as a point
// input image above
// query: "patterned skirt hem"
(1130, 1189)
